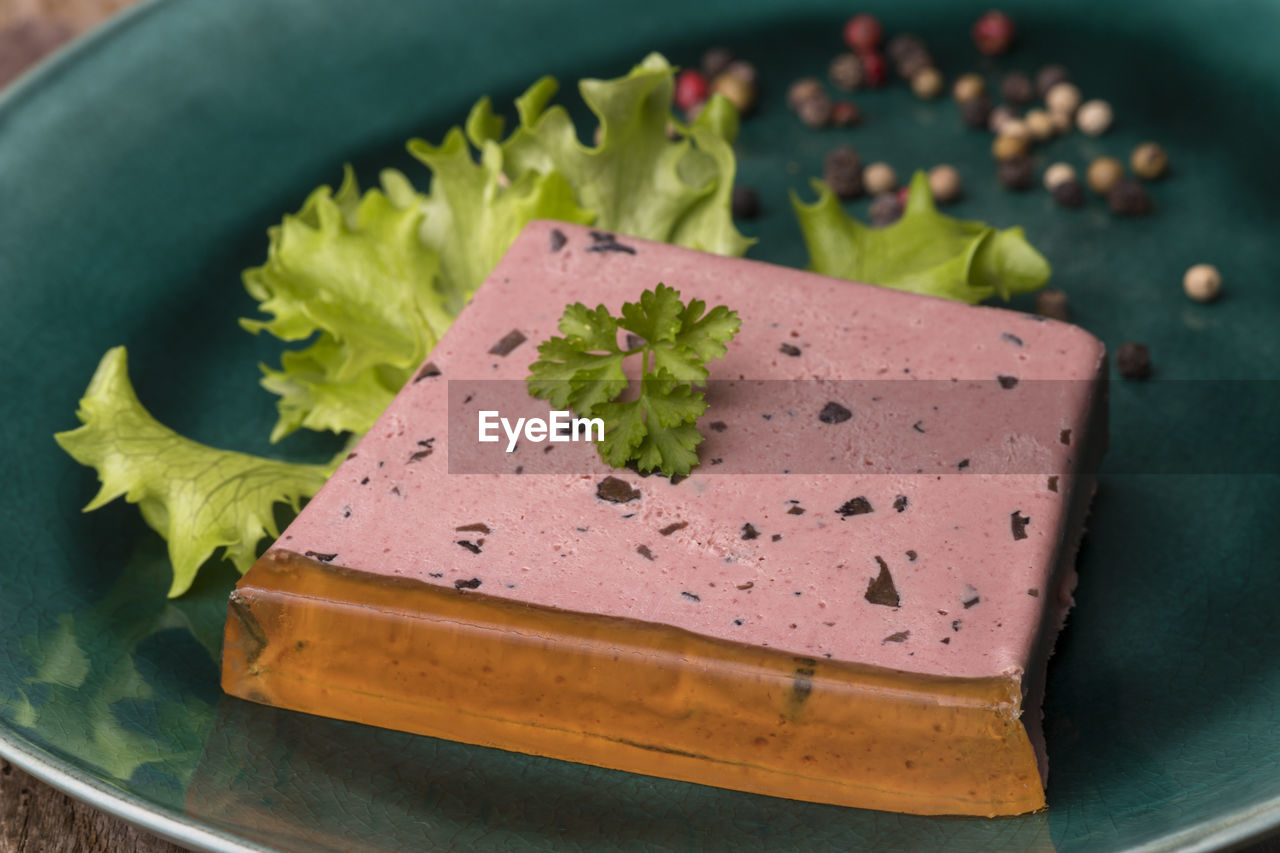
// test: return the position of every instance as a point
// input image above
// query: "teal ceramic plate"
(139, 171)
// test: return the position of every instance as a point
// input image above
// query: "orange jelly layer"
(624, 694)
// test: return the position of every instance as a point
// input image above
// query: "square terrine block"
(850, 600)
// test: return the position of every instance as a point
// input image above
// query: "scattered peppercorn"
(1069, 193)
(845, 72)
(816, 111)
(879, 178)
(1050, 76)
(993, 33)
(1016, 173)
(862, 33)
(1094, 117)
(1103, 174)
(737, 91)
(1016, 89)
(1053, 303)
(802, 90)
(1016, 127)
(1057, 174)
(927, 83)
(913, 63)
(968, 87)
(885, 210)
(874, 71)
(1149, 161)
(1202, 282)
(842, 171)
(1009, 147)
(1000, 116)
(976, 111)
(1064, 98)
(903, 45)
(715, 61)
(945, 183)
(1061, 122)
(1040, 124)
(1129, 198)
(746, 203)
(1133, 360)
(743, 70)
(691, 88)
(845, 114)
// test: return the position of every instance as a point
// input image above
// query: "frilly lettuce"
(197, 497)
(924, 252)
(371, 280)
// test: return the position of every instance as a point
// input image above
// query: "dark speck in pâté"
(471, 584)
(767, 417)
(718, 426)
(1034, 593)
(834, 413)
(558, 239)
(716, 461)
(776, 537)
(673, 527)
(918, 426)
(1065, 436)
(749, 531)
(677, 479)
(789, 349)
(896, 637)
(365, 481)
(467, 399)
(1007, 382)
(796, 510)
(346, 511)
(1018, 523)
(509, 342)
(962, 464)
(435, 574)
(478, 527)
(629, 515)
(881, 589)
(319, 557)
(469, 545)
(1011, 338)
(855, 506)
(737, 621)
(643, 551)
(900, 503)
(426, 371)
(691, 596)
(603, 242)
(616, 490)
(1053, 483)
(911, 556)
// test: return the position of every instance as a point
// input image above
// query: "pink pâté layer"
(911, 545)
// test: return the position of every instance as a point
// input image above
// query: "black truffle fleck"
(1018, 522)
(673, 527)
(323, 558)
(900, 503)
(718, 426)
(962, 464)
(749, 531)
(603, 242)
(789, 349)
(911, 556)
(777, 537)
(881, 589)
(855, 506)
(478, 527)
(643, 551)
(509, 342)
(918, 426)
(426, 371)
(469, 545)
(471, 584)
(796, 510)
(897, 637)
(1065, 436)
(834, 413)
(558, 239)
(691, 596)
(1011, 338)
(1053, 484)
(615, 490)
(1007, 382)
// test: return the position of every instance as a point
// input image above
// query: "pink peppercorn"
(874, 70)
(691, 89)
(863, 33)
(993, 33)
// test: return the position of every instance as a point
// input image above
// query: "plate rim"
(1235, 827)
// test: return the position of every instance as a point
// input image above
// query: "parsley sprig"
(583, 371)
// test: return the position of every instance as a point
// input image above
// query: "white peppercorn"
(1103, 174)
(1063, 98)
(1009, 147)
(845, 72)
(1040, 124)
(945, 183)
(816, 111)
(927, 83)
(737, 90)
(999, 117)
(879, 178)
(1149, 161)
(1202, 282)
(1057, 173)
(1094, 117)
(968, 87)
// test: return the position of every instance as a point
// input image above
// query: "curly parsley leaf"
(584, 371)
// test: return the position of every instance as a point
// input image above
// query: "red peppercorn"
(691, 89)
(993, 33)
(863, 33)
(874, 70)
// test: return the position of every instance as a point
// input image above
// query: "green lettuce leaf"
(198, 498)
(924, 252)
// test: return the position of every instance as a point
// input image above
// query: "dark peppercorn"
(842, 170)
(715, 61)
(845, 72)
(1053, 303)
(1016, 173)
(1133, 360)
(885, 210)
(1050, 76)
(1129, 198)
(976, 111)
(845, 114)
(746, 203)
(1069, 193)
(1016, 88)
